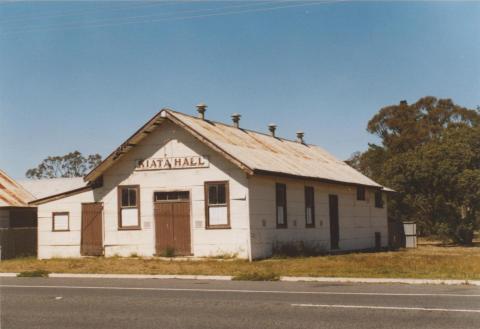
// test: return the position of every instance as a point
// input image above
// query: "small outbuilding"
(18, 220)
(190, 186)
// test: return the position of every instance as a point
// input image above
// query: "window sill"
(218, 227)
(133, 228)
(60, 230)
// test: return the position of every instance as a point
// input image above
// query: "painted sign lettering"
(186, 162)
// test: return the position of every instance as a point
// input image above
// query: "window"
(60, 222)
(281, 203)
(378, 199)
(361, 193)
(129, 207)
(217, 205)
(171, 196)
(309, 206)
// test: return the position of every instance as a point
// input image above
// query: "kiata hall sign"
(168, 163)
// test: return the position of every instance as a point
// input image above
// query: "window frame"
(285, 217)
(378, 200)
(363, 195)
(206, 186)
(168, 193)
(55, 213)
(312, 189)
(120, 188)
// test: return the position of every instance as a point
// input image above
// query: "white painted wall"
(61, 244)
(167, 141)
(358, 220)
(172, 141)
(252, 203)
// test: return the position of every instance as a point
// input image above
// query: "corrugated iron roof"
(12, 193)
(264, 153)
(42, 188)
(254, 152)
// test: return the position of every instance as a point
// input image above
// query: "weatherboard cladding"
(253, 152)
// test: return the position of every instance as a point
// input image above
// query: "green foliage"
(257, 276)
(33, 274)
(430, 155)
(300, 249)
(168, 252)
(73, 164)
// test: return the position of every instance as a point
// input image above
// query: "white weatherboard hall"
(189, 186)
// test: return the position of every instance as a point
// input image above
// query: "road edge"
(283, 278)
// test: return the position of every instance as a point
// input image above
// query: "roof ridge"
(47, 178)
(324, 166)
(245, 129)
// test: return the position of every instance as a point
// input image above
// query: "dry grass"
(428, 261)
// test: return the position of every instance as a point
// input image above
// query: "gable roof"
(12, 194)
(254, 152)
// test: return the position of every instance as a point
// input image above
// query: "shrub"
(257, 276)
(168, 252)
(33, 274)
(296, 249)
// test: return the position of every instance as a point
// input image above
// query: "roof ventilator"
(236, 120)
(272, 127)
(201, 109)
(300, 135)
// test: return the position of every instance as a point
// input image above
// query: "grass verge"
(426, 262)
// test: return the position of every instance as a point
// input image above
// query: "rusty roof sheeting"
(12, 193)
(253, 152)
(264, 153)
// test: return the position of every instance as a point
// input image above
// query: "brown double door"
(92, 234)
(172, 223)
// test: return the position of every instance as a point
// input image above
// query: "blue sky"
(85, 75)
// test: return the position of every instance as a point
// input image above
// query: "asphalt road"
(132, 303)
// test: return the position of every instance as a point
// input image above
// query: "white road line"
(388, 308)
(238, 291)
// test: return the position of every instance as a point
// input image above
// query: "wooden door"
(172, 225)
(334, 225)
(92, 234)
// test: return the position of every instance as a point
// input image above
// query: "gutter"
(61, 195)
(261, 172)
